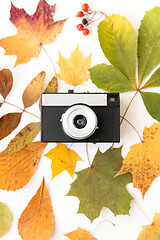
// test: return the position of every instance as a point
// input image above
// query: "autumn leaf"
(80, 234)
(23, 138)
(96, 186)
(37, 220)
(17, 169)
(6, 82)
(143, 159)
(33, 90)
(8, 123)
(51, 87)
(5, 219)
(74, 70)
(151, 232)
(32, 31)
(62, 158)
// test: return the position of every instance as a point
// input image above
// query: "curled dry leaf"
(74, 70)
(80, 234)
(5, 219)
(8, 123)
(32, 31)
(143, 159)
(33, 90)
(51, 87)
(37, 220)
(6, 82)
(62, 158)
(23, 138)
(17, 169)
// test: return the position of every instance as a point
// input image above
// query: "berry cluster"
(85, 21)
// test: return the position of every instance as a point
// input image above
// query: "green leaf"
(96, 186)
(149, 43)
(23, 138)
(109, 78)
(154, 81)
(5, 219)
(152, 104)
(119, 44)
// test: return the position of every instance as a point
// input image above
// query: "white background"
(65, 208)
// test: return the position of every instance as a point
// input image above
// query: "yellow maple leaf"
(74, 70)
(143, 159)
(151, 232)
(80, 234)
(62, 158)
(37, 220)
(32, 32)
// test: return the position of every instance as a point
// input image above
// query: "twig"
(108, 221)
(87, 154)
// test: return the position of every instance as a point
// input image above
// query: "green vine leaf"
(149, 43)
(96, 186)
(23, 138)
(152, 103)
(119, 44)
(5, 219)
(154, 81)
(109, 78)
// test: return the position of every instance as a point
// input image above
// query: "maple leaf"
(37, 220)
(32, 31)
(143, 159)
(151, 232)
(17, 169)
(96, 186)
(5, 219)
(62, 158)
(80, 234)
(74, 70)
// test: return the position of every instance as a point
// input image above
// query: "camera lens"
(79, 121)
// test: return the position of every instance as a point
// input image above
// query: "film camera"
(80, 117)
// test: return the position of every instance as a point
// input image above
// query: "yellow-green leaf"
(5, 219)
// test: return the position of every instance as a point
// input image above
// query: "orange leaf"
(80, 234)
(17, 169)
(8, 123)
(62, 158)
(32, 31)
(33, 90)
(6, 82)
(37, 220)
(74, 70)
(143, 159)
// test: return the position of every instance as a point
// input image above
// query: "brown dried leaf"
(8, 123)
(23, 138)
(37, 220)
(17, 169)
(6, 82)
(33, 90)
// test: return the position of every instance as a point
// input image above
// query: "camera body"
(80, 117)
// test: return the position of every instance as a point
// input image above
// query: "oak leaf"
(62, 158)
(8, 123)
(6, 82)
(37, 220)
(23, 138)
(32, 31)
(151, 232)
(96, 186)
(142, 161)
(33, 90)
(17, 169)
(5, 219)
(80, 234)
(74, 70)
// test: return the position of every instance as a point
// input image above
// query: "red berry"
(80, 27)
(85, 31)
(80, 14)
(85, 7)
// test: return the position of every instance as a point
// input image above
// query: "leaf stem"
(23, 110)
(132, 127)
(87, 152)
(128, 106)
(150, 222)
(104, 221)
(49, 58)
